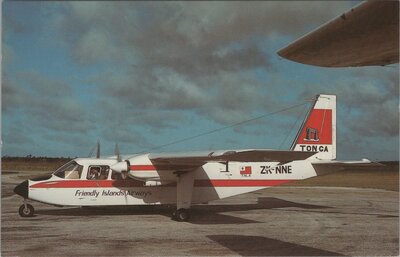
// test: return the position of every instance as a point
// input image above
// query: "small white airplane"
(190, 178)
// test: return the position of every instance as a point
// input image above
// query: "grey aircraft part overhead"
(366, 35)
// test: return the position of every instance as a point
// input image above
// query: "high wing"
(192, 161)
(366, 35)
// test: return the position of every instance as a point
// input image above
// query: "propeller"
(121, 167)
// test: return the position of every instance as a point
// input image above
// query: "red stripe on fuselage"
(135, 183)
(87, 183)
(142, 167)
(238, 182)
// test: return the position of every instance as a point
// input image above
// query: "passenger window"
(98, 172)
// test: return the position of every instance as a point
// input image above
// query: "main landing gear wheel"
(26, 210)
(181, 215)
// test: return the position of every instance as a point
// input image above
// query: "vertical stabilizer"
(318, 131)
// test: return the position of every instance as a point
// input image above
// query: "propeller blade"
(117, 153)
(98, 150)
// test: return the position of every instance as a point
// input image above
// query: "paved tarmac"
(279, 221)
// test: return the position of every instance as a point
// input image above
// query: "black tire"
(174, 215)
(182, 215)
(26, 211)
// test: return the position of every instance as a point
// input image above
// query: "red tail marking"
(319, 126)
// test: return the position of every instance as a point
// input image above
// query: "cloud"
(11, 24)
(378, 120)
(46, 102)
(41, 85)
(12, 96)
(184, 36)
(194, 56)
(17, 134)
(374, 105)
(43, 116)
(227, 99)
(125, 135)
(369, 99)
(147, 70)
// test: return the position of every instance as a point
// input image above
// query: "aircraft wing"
(366, 35)
(193, 161)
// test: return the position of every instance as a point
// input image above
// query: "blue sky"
(145, 74)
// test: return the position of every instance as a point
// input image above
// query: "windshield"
(70, 170)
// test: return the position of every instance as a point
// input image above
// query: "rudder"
(318, 131)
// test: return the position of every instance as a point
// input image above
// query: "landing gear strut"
(181, 215)
(26, 210)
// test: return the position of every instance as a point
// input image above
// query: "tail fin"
(318, 131)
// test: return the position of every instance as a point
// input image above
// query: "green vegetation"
(381, 177)
(388, 180)
(31, 163)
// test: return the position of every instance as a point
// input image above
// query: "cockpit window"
(71, 170)
(98, 172)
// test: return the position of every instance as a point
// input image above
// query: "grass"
(387, 180)
(31, 164)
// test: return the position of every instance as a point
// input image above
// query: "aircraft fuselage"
(212, 181)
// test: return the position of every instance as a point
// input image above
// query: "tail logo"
(318, 128)
(311, 135)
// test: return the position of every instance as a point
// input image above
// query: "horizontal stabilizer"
(325, 167)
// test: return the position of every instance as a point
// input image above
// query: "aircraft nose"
(22, 189)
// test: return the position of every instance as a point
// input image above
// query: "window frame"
(101, 168)
(65, 168)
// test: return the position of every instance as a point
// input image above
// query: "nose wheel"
(26, 210)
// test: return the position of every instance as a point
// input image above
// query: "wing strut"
(184, 192)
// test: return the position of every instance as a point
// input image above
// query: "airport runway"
(279, 221)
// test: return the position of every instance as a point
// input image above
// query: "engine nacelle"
(141, 168)
(120, 167)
